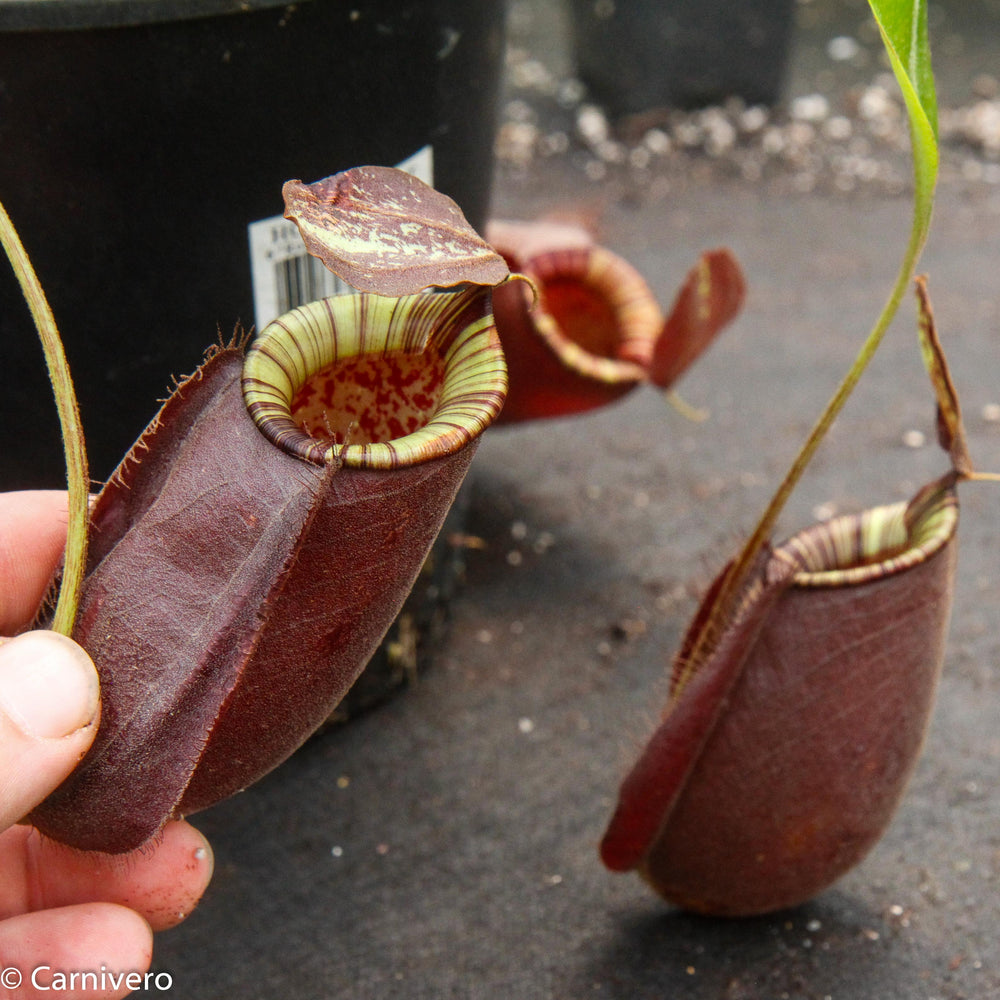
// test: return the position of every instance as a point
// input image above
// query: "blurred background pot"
(637, 56)
(141, 138)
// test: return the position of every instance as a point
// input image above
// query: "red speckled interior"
(371, 399)
(583, 316)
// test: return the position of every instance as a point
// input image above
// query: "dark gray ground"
(445, 844)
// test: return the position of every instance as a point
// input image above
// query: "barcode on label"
(303, 279)
(284, 275)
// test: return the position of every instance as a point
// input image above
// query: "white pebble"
(687, 134)
(592, 124)
(720, 136)
(810, 108)
(610, 151)
(842, 48)
(544, 542)
(657, 142)
(753, 119)
(570, 93)
(553, 144)
(877, 103)
(773, 141)
(837, 128)
(824, 511)
(639, 157)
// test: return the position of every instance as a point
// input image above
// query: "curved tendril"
(920, 105)
(77, 475)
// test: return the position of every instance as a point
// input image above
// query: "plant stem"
(748, 554)
(903, 27)
(723, 606)
(77, 476)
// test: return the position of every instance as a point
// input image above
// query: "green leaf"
(903, 25)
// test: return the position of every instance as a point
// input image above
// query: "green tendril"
(903, 26)
(77, 477)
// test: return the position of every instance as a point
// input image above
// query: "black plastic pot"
(140, 138)
(640, 55)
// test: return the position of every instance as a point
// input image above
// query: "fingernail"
(48, 685)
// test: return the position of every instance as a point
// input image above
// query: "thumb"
(49, 710)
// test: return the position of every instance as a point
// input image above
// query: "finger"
(49, 710)
(31, 545)
(104, 940)
(163, 882)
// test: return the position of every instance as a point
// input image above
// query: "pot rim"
(76, 15)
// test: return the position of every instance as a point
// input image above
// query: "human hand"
(64, 910)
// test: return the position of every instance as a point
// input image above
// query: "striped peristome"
(453, 330)
(845, 551)
(876, 543)
(619, 286)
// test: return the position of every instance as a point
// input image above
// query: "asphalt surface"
(444, 844)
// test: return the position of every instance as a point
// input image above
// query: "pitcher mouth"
(858, 548)
(625, 322)
(376, 382)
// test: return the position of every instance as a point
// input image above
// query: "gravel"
(839, 138)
